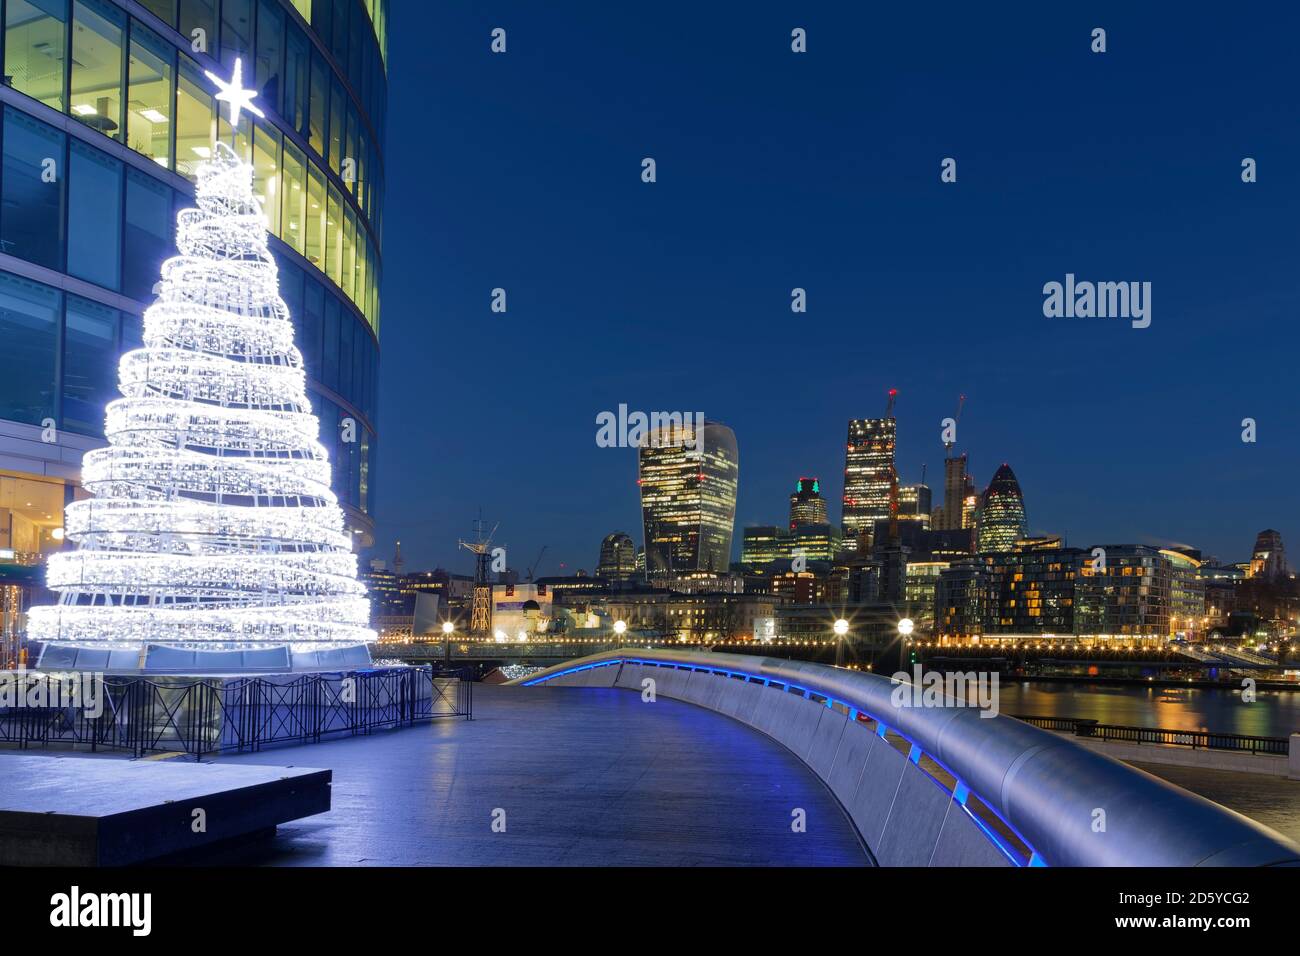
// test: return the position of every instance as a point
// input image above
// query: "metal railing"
(205, 715)
(1196, 739)
(1045, 787)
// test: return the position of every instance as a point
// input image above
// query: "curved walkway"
(586, 776)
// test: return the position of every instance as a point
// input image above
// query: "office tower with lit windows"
(688, 484)
(115, 93)
(807, 506)
(762, 544)
(914, 504)
(617, 558)
(868, 471)
(1001, 521)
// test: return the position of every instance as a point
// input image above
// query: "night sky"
(821, 170)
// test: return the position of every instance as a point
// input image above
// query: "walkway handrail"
(1071, 805)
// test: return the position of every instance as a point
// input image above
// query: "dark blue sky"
(821, 170)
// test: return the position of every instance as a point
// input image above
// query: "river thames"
(1273, 713)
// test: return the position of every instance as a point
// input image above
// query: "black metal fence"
(1196, 739)
(204, 715)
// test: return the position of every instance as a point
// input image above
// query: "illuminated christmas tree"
(212, 523)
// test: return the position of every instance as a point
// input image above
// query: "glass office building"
(106, 113)
(1001, 519)
(868, 473)
(688, 499)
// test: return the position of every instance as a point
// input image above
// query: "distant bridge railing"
(1196, 739)
(943, 785)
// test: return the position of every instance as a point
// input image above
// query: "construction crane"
(947, 446)
(480, 621)
(536, 563)
(893, 479)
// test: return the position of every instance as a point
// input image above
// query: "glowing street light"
(841, 627)
(905, 626)
(620, 627)
(448, 627)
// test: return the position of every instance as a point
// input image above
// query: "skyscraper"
(868, 470)
(617, 558)
(1002, 513)
(958, 508)
(807, 506)
(914, 504)
(688, 498)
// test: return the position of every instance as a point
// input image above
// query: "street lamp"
(447, 628)
(841, 628)
(905, 626)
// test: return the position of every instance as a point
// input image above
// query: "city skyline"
(777, 512)
(777, 172)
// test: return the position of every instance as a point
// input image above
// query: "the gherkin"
(1001, 521)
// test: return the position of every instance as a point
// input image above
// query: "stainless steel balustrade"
(1044, 786)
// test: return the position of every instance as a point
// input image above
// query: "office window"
(363, 477)
(149, 95)
(339, 47)
(297, 63)
(237, 34)
(363, 165)
(338, 114)
(89, 372)
(361, 351)
(242, 141)
(290, 278)
(316, 212)
(29, 329)
(320, 101)
(266, 174)
(293, 188)
(330, 344)
(311, 329)
(164, 10)
(35, 40)
(147, 236)
(322, 19)
(270, 53)
(348, 267)
(358, 41)
(334, 237)
(346, 326)
(198, 24)
(350, 148)
(94, 211)
(95, 92)
(194, 116)
(359, 276)
(132, 334)
(31, 208)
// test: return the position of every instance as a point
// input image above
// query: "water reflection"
(1273, 713)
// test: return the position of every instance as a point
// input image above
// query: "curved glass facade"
(106, 111)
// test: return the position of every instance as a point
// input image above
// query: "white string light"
(212, 523)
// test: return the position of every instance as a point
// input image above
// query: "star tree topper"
(234, 94)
